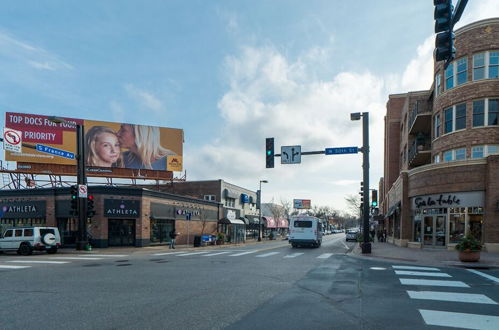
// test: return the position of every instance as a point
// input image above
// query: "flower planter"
(469, 256)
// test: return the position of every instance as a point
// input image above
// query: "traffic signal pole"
(366, 246)
(81, 180)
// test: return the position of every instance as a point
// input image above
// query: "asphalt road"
(265, 286)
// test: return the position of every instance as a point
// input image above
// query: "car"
(351, 235)
(24, 240)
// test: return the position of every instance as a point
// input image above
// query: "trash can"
(197, 241)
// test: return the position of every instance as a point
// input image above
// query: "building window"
(230, 202)
(460, 154)
(437, 125)
(449, 77)
(448, 156)
(460, 116)
(462, 71)
(493, 112)
(209, 198)
(454, 155)
(438, 84)
(448, 120)
(479, 66)
(436, 158)
(494, 65)
(484, 150)
(478, 113)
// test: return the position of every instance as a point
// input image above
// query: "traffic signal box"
(444, 41)
(269, 152)
(90, 206)
(74, 200)
(374, 198)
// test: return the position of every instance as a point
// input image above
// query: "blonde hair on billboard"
(147, 140)
(91, 138)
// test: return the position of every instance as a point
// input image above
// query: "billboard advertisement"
(107, 144)
(301, 203)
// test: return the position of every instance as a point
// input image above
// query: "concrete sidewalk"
(425, 256)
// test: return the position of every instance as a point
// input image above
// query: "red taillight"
(38, 245)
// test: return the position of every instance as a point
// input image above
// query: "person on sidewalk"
(173, 237)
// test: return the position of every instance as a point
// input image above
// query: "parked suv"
(26, 239)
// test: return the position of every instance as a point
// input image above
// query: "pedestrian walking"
(173, 237)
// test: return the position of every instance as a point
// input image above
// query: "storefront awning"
(226, 221)
(392, 210)
(230, 194)
(245, 220)
(283, 223)
(253, 219)
(269, 222)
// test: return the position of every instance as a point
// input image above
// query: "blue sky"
(230, 73)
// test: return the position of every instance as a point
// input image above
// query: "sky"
(230, 74)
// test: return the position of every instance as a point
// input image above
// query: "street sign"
(54, 151)
(290, 154)
(12, 140)
(82, 191)
(342, 150)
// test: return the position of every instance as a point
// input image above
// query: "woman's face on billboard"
(107, 147)
(126, 136)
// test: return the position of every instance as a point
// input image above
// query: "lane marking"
(416, 281)
(459, 320)
(243, 253)
(378, 268)
(13, 267)
(103, 255)
(415, 268)
(76, 258)
(38, 262)
(215, 254)
(167, 253)
(325, 255)
(346, 246)
(267, 254)
(452, 296)
(430, 274)
(490, 277)
(191, 254)
(294, 255)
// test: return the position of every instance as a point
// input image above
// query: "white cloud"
(478, 10)
(145, 99)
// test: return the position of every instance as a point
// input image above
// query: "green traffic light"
(269, 152)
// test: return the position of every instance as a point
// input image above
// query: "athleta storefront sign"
(119, 208)
(23, 209)
(445, 200)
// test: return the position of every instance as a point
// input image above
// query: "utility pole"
(81, 180)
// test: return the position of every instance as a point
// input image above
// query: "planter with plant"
(469, 249)
(220, 238)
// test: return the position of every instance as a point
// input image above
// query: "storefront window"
(456, 227)
(417, 229)
(475, 225)
(160, 230)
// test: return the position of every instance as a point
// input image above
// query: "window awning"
(283, 223)
(245, 220)
(253, 219)
(269, 222)
(230, 194)
(226, 221)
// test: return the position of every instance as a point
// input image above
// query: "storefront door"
(434, 230)
(121, 232)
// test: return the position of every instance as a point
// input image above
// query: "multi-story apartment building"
(441, 161)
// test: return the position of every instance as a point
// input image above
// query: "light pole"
(260, 218)
(81, 179)
(366, 246)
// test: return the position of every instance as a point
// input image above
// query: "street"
(269, 285)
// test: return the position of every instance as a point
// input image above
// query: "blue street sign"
(54, 151)
(343, 150)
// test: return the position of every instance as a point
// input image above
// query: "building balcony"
(419, 152)
(420, 118)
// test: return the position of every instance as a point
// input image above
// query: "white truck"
(305, 230)
(24, 240)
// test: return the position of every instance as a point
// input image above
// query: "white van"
(305, 230)
(24, 240)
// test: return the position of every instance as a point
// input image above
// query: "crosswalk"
(253, 253)
(424, 277)
(29, 262)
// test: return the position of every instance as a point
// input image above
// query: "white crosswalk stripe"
(103, 255)
(415, 268)
(460, 320)
(412, 273)
(167, 253)
(75, 258)
(294, 255)
(190, 254)
(417, 281)
(487, 276)
(13, 267)
(267, 254)
(38, 261)
(243, 253)
(215, 254)
(325, 255)
(452, 296)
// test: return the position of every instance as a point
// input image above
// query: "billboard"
(301, 203)
(107, 144)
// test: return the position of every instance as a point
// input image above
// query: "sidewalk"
(426, 256)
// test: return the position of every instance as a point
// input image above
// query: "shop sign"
(186, 212)
(448, 200)
(23, 209)
(119, 208)
(232, 214)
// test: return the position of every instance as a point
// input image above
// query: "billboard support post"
(81, 180)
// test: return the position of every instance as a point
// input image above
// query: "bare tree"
(286, 206)
(353, 205)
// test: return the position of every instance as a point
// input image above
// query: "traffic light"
(90, 206)
(74, 200)
(374, 198)
(444, 41)
(361, 193)
(269, 152)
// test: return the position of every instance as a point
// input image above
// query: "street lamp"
(366, 246)
(260, 218)
(81, 179)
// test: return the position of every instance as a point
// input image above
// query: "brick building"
(441, 160)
